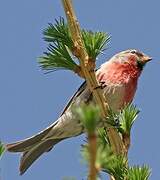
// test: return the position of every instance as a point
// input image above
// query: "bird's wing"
(82, 90)
(33, 147)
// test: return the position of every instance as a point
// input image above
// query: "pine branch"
(106, 160)
(59, 32)
(126, 119)
(115, 165)
(123, 121)
(61, 52)
(57, 57)
(88, 71)
(95, 42)
(89, 115)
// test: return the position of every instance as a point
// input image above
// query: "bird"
(118, 77)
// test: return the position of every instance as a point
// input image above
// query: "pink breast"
(116, 74)
(130, 89)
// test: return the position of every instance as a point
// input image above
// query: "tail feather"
(33, 154)
(28, 143)
(33, 147)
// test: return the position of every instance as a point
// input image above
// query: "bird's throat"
(118, 73)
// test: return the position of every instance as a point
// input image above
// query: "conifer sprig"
(2, 149)
(58, 32)
(124, 119)
(127, 117)
(60, 53)
(57, 57)
(139, 173)
(95, 42)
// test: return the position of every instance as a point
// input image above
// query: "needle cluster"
(106, 160)
(60, 52)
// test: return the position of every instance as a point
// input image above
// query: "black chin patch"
(140, 65)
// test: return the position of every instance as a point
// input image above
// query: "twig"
(89, 74)
(92, 142)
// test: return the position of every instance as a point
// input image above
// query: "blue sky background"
(30, 100)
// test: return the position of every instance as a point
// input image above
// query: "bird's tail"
(32, 148)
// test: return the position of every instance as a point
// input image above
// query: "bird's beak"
(146, 59)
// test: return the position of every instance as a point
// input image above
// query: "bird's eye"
(133, 52)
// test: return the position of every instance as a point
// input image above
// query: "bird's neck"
(117, 73)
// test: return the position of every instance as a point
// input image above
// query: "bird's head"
(132, 57)
(123, 67)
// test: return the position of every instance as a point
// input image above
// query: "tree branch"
(89, 74)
